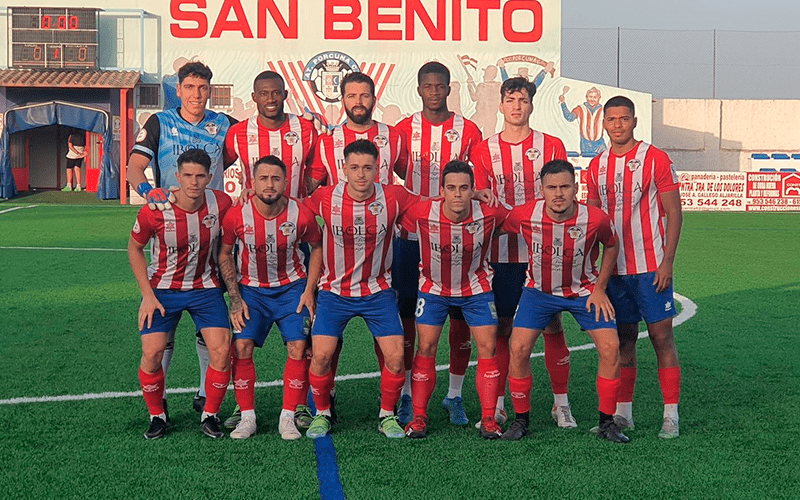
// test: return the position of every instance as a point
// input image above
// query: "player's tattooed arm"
(149, 301)
(598, 298)
(671, 201)
(227, 268)
(308, 299)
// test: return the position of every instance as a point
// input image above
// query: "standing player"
(359, 216)
(272, 132)
(590, 121)
(271, 288)
(563, 238)
(182, 276)
(434, 137)
(636, 184)
(509, 164)
(455, 235)
(163, 138)
(358, 99)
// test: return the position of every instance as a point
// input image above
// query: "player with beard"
(434, 136)
(273, 287)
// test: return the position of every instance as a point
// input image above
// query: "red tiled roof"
(68, 78)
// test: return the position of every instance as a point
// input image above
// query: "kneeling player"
(563, 238)
(182, 276)
(454, 237)
(272, 287)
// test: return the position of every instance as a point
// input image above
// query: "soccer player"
(272, 287)
(272, 132)
(359, 216)
(563, 238)
(509, 164)
(636, 184)
(358, 99)
(163, 138)
(455, 236)
(434, 137)
(182, 276)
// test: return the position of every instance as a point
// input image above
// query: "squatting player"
(163, 138)
(434, 137)
(182, 276)
(272, 287)
(636, 184)
(509, 164)
(563, 238)
(455, 235)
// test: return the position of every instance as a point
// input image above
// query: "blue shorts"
(275, 305)
(379, 311)
(507, 284)
(478, 310)
(206, 307)
(634, 297)
(537, 309)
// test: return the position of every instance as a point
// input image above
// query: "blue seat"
(764, 169)
(780, 156)
(788, 170)
(759, 156)
(578, 168)
(796, 156)
(572, 154)
(589, 155)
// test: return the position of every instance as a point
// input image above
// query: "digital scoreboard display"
(43, 37)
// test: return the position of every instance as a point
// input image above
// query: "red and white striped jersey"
(628, 187)
(590, 121)
(183, 245)
(454, 256)
(357, 237)
(511, 171)
(268, 252)
(329, 153)
(562, 255)
(431, 146)
(293, 143)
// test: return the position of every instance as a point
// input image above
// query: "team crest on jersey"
(324, 72)
(174, 131)
(634, 164)
(169, 226)
(209, 221)
(291, 138)
(142, 135)
(456, 239)
(380, 140)
(433, 228)
(336, 210)
(212, 128)
(358, 220)
(533, 154)
(287, 228)
(473, 227)
(375, 208)
(575, 232)
(452, 135)
(557, 242)
(252, 139)
(136, 227)
(249, 230)
(270, 238)
(435, 146)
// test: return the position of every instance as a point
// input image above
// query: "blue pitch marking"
(330, 486)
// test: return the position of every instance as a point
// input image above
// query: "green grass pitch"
(69, 329)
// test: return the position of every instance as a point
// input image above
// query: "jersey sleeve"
(666, 178)
(482, 178)
(145, 226)
(592, 192)
(147, 139)
(511, 224)
(311, 232)
(230, 223)
(402, 164)
(314, 202)
(559, 151)
(405, 198)
(409, 219)
(605, 230)
(229, 153)
(473, 138)
(317, 169)
(224, 202)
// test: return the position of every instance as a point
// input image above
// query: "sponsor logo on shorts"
(668, 306)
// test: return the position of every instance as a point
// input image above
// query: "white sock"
(456, 383)
(560, 400)
(284, 413)
(162, 416)
(203, 360)
(252, 414)
(671, 411)
(324, 412)
(407, 385)
(501, 403)
(206, 414)
(385, 413)
(625, 410)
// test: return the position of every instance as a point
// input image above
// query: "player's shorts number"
(420, 308)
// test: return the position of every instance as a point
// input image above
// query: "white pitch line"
(68, 248)
(16, 208)
(688, 310)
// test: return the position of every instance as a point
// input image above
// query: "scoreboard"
(43, 37)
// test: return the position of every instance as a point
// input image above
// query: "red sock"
(391, 385)
(321, 386)
(486, 380)
(460, 346)
(379, 354)
(216, 387)
(423, 382)
(294, 383)
(244, 383)
(409, 337)
(556, 358)
(607, 389)
(521, 393)
(670, 380)
(627, 376)
(503, 358)
(153, 390)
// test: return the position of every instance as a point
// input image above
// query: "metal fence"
(709, 64)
